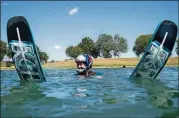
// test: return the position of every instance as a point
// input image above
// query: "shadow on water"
(13, 103)
(30, 99)
(64, 94)
(160, 95)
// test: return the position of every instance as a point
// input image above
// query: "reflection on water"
(160, 94)
(113, 94)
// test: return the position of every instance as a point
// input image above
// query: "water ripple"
(111, 93)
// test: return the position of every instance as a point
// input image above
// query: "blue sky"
(57, 24)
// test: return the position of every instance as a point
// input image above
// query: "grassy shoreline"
(13, 68)
(99, 63)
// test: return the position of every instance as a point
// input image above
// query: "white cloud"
(4, 4)
(73, 11)
(57, 47)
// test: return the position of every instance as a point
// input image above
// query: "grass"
(7, 68)
(108, 63)
(102, 63)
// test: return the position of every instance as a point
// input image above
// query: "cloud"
(73, 11)
(4, 4)
(57, 47)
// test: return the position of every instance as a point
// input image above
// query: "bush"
(9, 64)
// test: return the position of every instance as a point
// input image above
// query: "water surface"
(113, 94)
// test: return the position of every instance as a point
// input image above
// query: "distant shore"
(100, 63)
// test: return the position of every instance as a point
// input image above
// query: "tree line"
(5, 51)
(105, 46)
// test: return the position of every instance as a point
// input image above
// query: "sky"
(57, 24)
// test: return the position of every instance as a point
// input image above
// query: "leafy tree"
(177, 50)
(42, 55)
(120, 45)
(141, 43)
(68, 51)
(9, 52)
(2, 49)
(105, 45)
(108, 46)
(95, 51)
(88, 46)
(76, 50)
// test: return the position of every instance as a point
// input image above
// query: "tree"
(88, 46)
(76, 50)
(95, 51)
(68, 51)
(9, 52)
(120, 45)
(42, 55)
(73, 51)
(3, 49)
(105, 45)
(141, 43)
(177, 47)
(108, 46)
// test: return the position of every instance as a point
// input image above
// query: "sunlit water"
(113, 94)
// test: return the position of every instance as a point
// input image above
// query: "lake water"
(112, 95)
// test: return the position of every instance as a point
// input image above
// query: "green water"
(113, 95)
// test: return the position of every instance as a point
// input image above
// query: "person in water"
(84, 65)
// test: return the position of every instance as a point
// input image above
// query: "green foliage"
(141, 43)
(42, 55)
(2, 49)
(9, 64)
(177, 48)
(88, 46)
(109, 46)
(77, 51)
(105, 45)
(95, 51)
(73, 52)
(68, 51)
(120, 45)
(9, 52)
